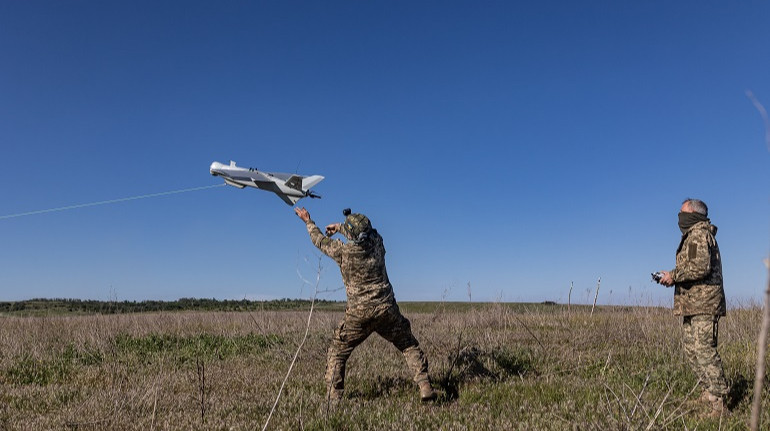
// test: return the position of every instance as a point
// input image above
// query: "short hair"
(697, 206)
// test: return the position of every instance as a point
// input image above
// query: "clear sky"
(513, 147)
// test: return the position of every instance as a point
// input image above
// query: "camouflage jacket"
(698, 273)
(368, 289)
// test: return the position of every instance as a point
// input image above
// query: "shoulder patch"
(692, 251)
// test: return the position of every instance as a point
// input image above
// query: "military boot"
(426, 392)
(718, 407)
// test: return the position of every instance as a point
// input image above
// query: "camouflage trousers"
(353, 330)
(700, 346)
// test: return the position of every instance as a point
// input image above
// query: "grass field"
(500, 367)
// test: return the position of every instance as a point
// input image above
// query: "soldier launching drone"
(371, 306)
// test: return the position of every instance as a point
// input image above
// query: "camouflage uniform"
(699, 298)
(371, 306)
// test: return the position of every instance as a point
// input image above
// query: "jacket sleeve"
(695, 264)
(328, 246)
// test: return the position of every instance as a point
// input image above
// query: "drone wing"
(291, 200)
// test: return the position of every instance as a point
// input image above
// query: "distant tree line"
(78, 306)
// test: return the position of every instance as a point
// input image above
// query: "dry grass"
(501, 367)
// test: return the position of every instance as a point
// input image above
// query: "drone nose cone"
(216, 168)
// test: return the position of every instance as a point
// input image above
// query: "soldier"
(699, 297)
(371, 306)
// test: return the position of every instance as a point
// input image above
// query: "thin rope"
(111, 201)
(763, 114)
(302, 343)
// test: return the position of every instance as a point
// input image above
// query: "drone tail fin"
(310, 181)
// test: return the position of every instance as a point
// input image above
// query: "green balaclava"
(688, 220)
(356, 227)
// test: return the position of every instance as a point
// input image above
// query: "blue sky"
(513, 146)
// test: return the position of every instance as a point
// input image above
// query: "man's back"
(362, 265)
(366, 279)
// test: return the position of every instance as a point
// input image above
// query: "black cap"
(346, 212)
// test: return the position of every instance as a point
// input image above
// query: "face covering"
(688, 220)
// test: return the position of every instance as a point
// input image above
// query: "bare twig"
(76, 425)
(756, 405)
(301, 422)
(330, 290)
(456, 357)
(261, 331)
(201, 368)
(569, 296)
(618, 401)
(530, 332)
(607, 363)
(660, 409)
(639, 397)
(154, 409)
(155, 398)
(674, 416)
(598, 283)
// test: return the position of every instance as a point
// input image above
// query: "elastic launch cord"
(112, 201)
